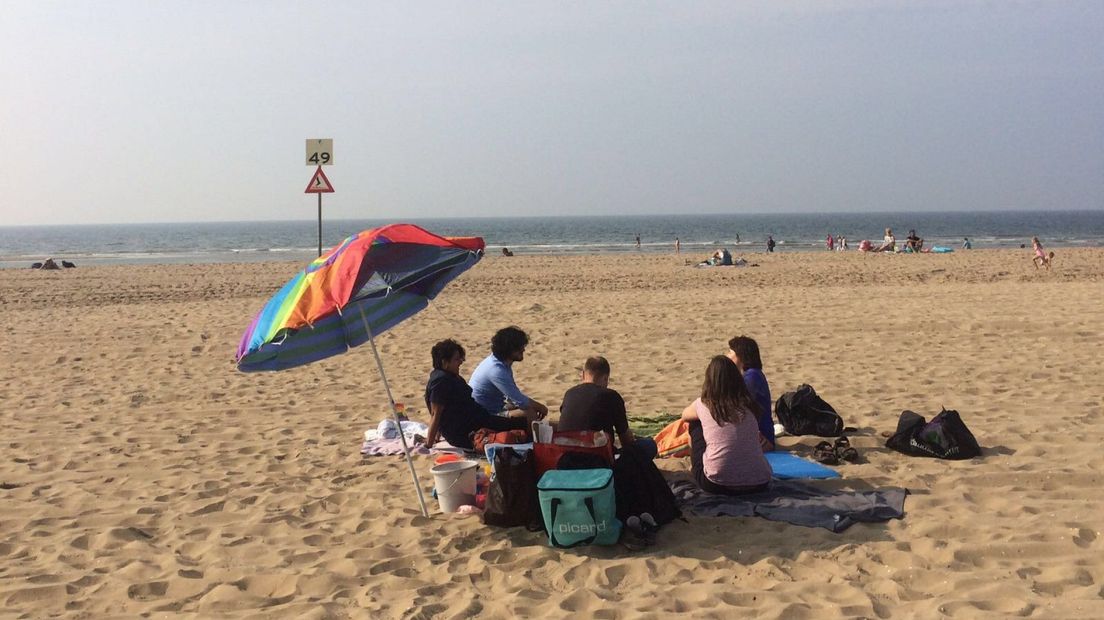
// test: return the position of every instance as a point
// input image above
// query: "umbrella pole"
(395, 411)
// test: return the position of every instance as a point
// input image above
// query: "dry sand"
(143, 475)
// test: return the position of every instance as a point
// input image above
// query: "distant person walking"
(830, 243)
(770, 243)
(737, 238)
(841, 244)
(678, 246)
(966, 245)
(638, 241)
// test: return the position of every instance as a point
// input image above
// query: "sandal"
(825, 453)
(844, 451)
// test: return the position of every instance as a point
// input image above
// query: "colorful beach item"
(386, 274)
(366, 285)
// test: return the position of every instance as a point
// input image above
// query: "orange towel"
(674, 440)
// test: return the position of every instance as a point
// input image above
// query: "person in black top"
(454, 413)
(914, 242)
(593, 406)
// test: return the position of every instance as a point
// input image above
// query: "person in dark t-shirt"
(593, 406)
(454, 413)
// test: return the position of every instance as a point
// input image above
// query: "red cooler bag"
(586, 442)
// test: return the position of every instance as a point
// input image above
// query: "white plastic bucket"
(455, 484)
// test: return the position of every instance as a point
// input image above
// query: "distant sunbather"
(913, 242)
(889, 242)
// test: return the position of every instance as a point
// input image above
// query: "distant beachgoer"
(720, 257)
(678, 246)
(842, 244)
(1042, 258)
(966, 245)
(507, 252)
(638, 241)
(913, 242)
(889, 242)
(830, 243)
(770, 243)
(737, 237)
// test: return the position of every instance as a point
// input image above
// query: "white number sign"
(320, 152)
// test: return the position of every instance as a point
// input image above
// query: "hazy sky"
(161, 111)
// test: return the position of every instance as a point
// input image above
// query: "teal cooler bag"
(578, 507)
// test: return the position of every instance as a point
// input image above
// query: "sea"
(236, 242)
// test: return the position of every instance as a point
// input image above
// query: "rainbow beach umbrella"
(366, 285)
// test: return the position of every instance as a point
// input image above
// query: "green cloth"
(649, 426)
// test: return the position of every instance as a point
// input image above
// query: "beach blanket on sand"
(796, 503)
(391, 447)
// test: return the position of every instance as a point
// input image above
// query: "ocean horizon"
(297, 240)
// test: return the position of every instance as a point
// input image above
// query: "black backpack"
(640, 487)
(945, 437)
(802, 412)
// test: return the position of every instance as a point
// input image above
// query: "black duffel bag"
(945, 437)
(802, 412)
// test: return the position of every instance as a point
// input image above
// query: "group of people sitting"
(52, 264)
(913, 243)
(730, 422)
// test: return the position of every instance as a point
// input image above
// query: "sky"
(183, 111)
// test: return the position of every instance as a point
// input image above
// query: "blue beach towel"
(787, 466)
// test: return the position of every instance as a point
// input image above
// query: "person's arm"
(503, 380)
(765, 444)
(535, 409)
(621, 420)
(435, 410)
(690, 414)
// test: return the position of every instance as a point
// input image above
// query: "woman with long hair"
(744, 352)
(725, 455)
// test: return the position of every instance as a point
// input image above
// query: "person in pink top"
(725, 455)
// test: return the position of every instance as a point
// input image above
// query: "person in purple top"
(744, 352)
(492, 382)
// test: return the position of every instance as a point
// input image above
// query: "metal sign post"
(319, 153)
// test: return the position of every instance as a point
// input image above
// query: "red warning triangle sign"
(319, 184)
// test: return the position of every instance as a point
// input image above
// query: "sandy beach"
(142, 475)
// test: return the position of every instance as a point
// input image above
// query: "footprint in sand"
(147, 591)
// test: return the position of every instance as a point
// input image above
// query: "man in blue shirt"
(492, 383)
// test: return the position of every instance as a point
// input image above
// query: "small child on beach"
(1041, 258)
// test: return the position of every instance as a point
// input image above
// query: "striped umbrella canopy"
(366, 285)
